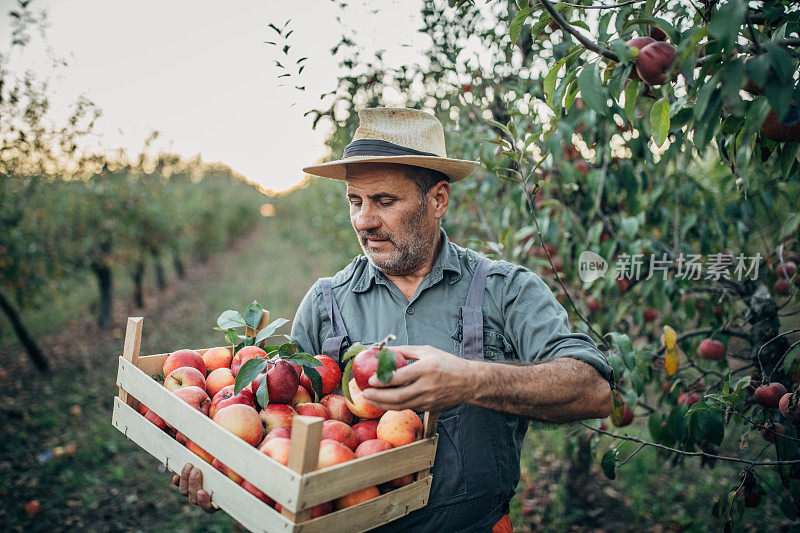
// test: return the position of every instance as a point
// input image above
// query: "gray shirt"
(522, 319)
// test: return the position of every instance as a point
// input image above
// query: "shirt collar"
(446, 260)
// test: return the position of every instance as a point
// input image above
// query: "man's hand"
(436, 381)
(190, 483)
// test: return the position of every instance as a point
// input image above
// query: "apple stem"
(389, 337)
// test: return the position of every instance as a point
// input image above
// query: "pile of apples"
(351, 429)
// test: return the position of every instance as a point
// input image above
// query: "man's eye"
(386, 203)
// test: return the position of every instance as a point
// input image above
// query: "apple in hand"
(184, 358)
(365, 364)
(185, 376)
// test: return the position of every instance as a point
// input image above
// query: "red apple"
(786, 270)
(279, 431)
(184, 358)
(356, 498)
(337, 408)
(788, 407)
(241, 420)
(196, 397)
(282, 382)
(236, 478)
(200, 452)
(302, 396)
(650, 315)
(400, 427)
(244, 355)
(225, 397)
(255, 491)
(277, 415)
(333, 452)
(366, 430)
(783, 287)
(219, 379)
(772, 431)
(341, 432)
(711, 349)
(330, 373)
(365, 364)
(769, 396)
(216, 358)
(157, 420)
(368, 447)
(185, 376)
(654, 61)
(278, 449)
(689, 398)
(312, 409)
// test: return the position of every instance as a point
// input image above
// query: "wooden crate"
(298, 487)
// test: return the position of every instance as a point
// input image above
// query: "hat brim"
(455, 169)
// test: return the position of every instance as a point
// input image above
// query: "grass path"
(109, 484)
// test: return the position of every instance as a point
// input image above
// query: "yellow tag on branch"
(671, 359)
(669, 337)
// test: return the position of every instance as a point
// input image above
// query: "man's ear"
(440, 196)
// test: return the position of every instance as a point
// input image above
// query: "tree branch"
(567, 27)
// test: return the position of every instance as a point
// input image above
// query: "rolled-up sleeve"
(538, 326)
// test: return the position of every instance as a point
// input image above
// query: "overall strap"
(335, 344)
(472, 313)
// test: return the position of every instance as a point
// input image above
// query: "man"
(456, 315)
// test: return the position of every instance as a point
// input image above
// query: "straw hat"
(396, 135)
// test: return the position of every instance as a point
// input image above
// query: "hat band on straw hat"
(377, 147)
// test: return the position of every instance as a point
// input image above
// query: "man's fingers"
(176, 479)
(204, 501)
(195, 484)
(183, 485)
(401, 376)
(390, 396)
(409, 352)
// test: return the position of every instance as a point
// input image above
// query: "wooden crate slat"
(332, 482)
(372, 513)
(274, 479)
(130, 350)
(233, 499)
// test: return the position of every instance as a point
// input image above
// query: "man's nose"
(366, 219)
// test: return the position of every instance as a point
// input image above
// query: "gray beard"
(409, 256)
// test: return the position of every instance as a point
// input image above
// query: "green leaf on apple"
(347, 373)
(230, 319)
(386, 365)
(269, 329)
(262, 394)
(315, 379)
(302, 359)
(248, 372)
(253, 314)
(231, 336)
(353, 350)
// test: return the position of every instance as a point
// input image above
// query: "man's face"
(396, 226)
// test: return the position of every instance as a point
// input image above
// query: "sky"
(200, 73)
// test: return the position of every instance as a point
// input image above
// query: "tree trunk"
(161, 278)
(39, 360)
(106, 285)
(579, 476)
(180, 270)
(138, 283)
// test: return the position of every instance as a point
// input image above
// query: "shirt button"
(410, 310)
